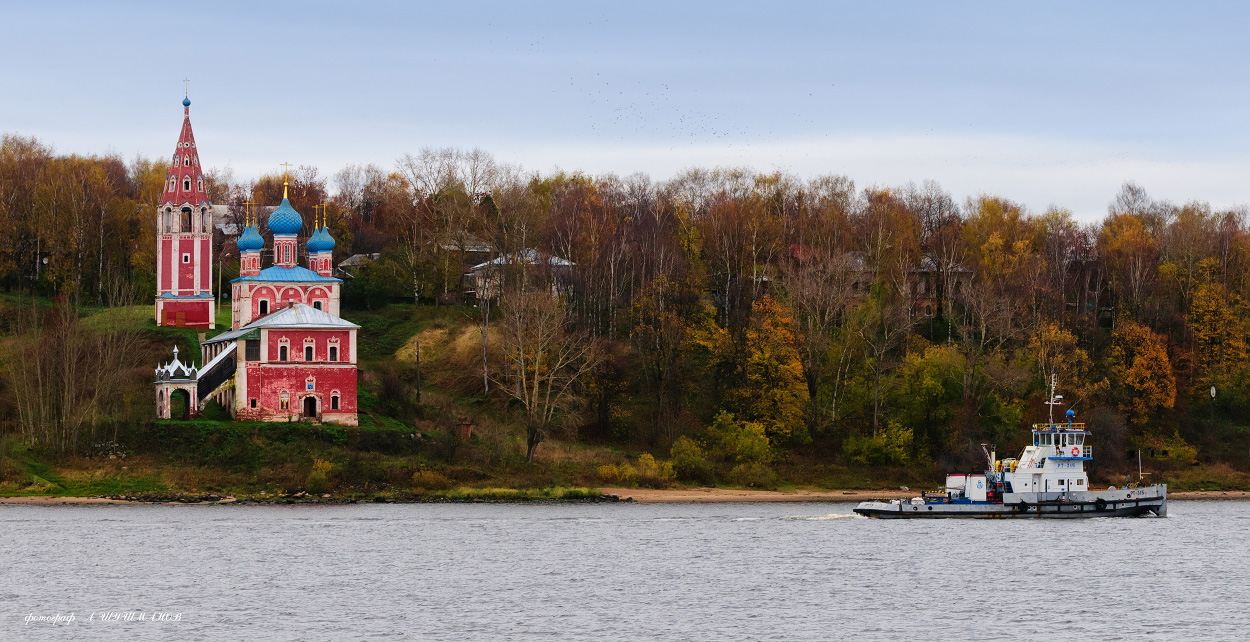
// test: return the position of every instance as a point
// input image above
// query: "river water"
(617, 572)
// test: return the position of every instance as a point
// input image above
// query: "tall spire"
(184, 183)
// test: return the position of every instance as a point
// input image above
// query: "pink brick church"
(288, 356)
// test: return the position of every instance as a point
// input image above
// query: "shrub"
(318, 479)
(740, 441)
(754, 475)
(430, 480)
(890, 446)
(654, 474)
(689, 462)
(624, 474)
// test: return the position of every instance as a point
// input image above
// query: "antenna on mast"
(1055, 400)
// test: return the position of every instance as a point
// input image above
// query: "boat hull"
(1120, 503)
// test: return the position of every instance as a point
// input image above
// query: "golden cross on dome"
(186, 86)
(286, 169)
(247, 219)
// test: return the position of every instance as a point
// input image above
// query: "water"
(619, 572)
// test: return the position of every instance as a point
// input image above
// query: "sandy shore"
(730, 495)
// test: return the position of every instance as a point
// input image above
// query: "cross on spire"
(186, 86)
(286, 169)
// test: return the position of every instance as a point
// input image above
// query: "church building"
(288, 356)
(184, 239)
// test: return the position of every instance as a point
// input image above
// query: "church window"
(186, 184)
(334, 353)
(264, 308)
(286, 254)
(186, 220)
(281, 353)
(284, 401)
(186, 160)
(203, 216)
(186, 258)
(173, 182)
(199, 184)
(334, 402)
(308, 353)
(169, 215)
(252, 350)
(317, 304)
(253, 402)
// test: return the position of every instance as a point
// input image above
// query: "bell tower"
(184, 239)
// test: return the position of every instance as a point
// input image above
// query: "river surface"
(470, 572)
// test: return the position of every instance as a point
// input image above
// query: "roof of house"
(295, 274)
(530, 256)
(293, 316)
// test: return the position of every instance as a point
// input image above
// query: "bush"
(654, 474)
(689, 462)
(740, 441)
(624, 474)
(754, 475)
(319, 478)
(430, 480)
(890, 446)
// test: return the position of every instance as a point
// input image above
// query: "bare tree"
(545, 360)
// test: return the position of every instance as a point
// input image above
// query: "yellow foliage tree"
(1216, 319)
(1139, 362)
(1058, 354)
(773, 391)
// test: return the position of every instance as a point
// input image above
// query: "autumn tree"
(1217, 321)
(1142, 377)
(772, 391)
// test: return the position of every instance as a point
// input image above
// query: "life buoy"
(1076, 451)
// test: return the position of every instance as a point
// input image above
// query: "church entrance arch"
(179, 404)
(310, 406)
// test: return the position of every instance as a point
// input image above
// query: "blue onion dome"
(326, 240)
(186, 101)
(250, 240)
(316, 242)
(285, 220)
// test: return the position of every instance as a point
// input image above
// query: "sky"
(1048, 104)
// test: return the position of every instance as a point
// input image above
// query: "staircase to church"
(216, 374)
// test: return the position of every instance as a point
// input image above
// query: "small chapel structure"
(288, 356)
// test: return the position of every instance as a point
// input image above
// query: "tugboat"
(1047, 480)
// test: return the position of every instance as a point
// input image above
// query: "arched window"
(264, 307)
(286, 253)
(203, 217)
(173, 182)
(199, 184)
(186, 160)
(308, 353)
(281, 353)
(334, 353)
(186, 220)
(186, 184)
(169, 219)
(334, 402)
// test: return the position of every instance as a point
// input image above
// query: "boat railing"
(1059, 427)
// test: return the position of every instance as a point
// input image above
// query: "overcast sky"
(1047, 104)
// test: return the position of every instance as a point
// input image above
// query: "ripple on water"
(627, 572)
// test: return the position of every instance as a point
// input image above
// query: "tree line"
(879, 325)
